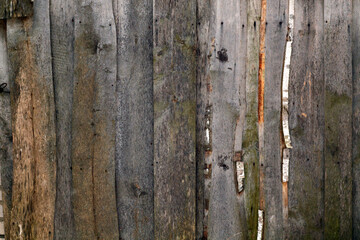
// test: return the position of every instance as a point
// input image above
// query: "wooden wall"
(129, 119)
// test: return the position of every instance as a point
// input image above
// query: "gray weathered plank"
(306, 120)
(356, 116)
(175, 109)
(15, 8)
(33, 125)
(250, 142)
(62, 46)
(93, 122)
(274, 42)
(134, 131)
(226, 62)
(5, 132)
(338, 119)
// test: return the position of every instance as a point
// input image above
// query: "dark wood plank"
(356, 116)
(62, 46)
(275, 40)
(5, 134)
(175, 109)
(338, 119)
(306, 121)
(250, 144)
(33, 125)
(134, 131)
(93, 122)
(15, 8)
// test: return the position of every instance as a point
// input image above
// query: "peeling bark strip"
(286, 76)
(135, 115)
(175, 113)
(6, 169)
(285, 166)
(260, 229)
(338, 119)
(93, 122)
(33, 123)
(15, 8)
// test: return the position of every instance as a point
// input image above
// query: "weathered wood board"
(338, 120)
(62, 46)
(33, 125)
(306, 120)
(93, 121)
(175, 119)
(135, 116)
(16, 8)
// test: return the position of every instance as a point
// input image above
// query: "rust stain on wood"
(262, 62)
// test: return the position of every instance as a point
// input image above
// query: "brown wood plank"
(175, 109)
(356, 116)
(275, 40)
(93, 122)
(135, 114)
(5, 132)
(306, 121)
(33, 125)
(338, 119)
(15, 8)
(250, 143)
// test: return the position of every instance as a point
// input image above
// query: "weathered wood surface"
(174, 123)
(93, 122)
(276, 30)
(33, 125)
(149, 103)
(5, 134)
(16, 8)
(134, 131)
(356, 116)
(338, 120)
(250, 143)
(62, 46)
(306, 120)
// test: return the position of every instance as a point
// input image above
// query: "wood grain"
(306, 121)
(175, 120)
(33, 125)
(16, 8)
(338, 120)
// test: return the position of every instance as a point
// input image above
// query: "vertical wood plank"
(356, 116)
(250, 143)
(134, 145)
(5, 133)
(62, 44)
(227, 73)
(175, 109)
(15, 8)
(338, 119)
(275, 43)
(33, 125)
(306, 121)
(93, 122)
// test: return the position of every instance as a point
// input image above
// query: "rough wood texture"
(356, 116)
(338, 120)
(5, 132)
(275, 44)
(15, 8)
(227, 83)
(62, 40)
(93, 122)
(306, 120)
(33, 125)
(175, 109)
(250, 143)
(134, 145)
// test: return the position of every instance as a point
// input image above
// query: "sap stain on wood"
(16, 8)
